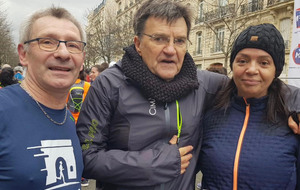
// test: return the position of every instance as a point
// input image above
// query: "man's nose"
(170, 48)
(62, 51)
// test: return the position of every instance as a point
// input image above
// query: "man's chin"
(167, 75)
(61, 85)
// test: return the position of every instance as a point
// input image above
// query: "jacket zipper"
(167, 117)
(239, 147)
(168, 125)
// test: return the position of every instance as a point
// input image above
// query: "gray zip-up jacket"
(125, 136)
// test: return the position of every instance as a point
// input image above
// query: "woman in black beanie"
(247, 143)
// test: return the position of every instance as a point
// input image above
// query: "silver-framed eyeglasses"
(165, 40)
(51, 45)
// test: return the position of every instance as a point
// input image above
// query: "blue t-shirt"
(35, 153)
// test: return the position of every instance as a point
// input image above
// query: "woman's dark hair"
(275, 107)
(7, 77)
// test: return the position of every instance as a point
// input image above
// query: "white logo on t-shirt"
(59, 160)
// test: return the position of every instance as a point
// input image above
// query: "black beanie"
(265, 37)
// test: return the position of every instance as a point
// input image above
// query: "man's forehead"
(164, 19)
(162, 25)
(50, 26)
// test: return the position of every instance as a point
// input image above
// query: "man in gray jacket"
(135, 107)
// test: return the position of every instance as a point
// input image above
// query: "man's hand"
(185, 157)
(292, 123)
(173, 140)
(184, 154)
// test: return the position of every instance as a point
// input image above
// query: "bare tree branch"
(8, 54)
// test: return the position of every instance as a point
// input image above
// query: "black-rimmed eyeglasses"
(51, 45)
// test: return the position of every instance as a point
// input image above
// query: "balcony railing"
(219, 12)
(199, 20)
(273, 2)
(216, 49)
(254, 6)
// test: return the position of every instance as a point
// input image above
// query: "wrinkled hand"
(185, 154)
(293, 125)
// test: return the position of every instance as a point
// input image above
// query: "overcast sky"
(17, 10)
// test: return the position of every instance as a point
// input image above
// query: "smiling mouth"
(251, 82)
(59, 69)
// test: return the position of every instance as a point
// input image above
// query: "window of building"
(285, 30)
(198, 45)
(223, 3)
(120, 6)
(219, 41)
(199, 66)
(200, 10)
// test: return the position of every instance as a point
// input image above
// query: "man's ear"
(137, 44)
(22, 55)
(84, 54)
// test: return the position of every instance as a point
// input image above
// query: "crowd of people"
(152, 120)
(9, 75)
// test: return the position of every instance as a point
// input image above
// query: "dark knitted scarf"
(154, 87)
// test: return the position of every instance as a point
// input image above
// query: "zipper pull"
(166, 106)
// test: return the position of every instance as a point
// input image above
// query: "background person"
(37, 131)
(7, 77)
(5, 65)
(136, 106)
(247, 143)
(96, 70)
(220, 70)
(87, 75)
(18, 71)
(76, 96)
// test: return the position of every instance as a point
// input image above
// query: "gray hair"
(57, 12)
(165, 9)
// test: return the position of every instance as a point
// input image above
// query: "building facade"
(218, 23)
(215, 24)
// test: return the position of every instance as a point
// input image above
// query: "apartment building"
(215, 24)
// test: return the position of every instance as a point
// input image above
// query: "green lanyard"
(179, 121)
